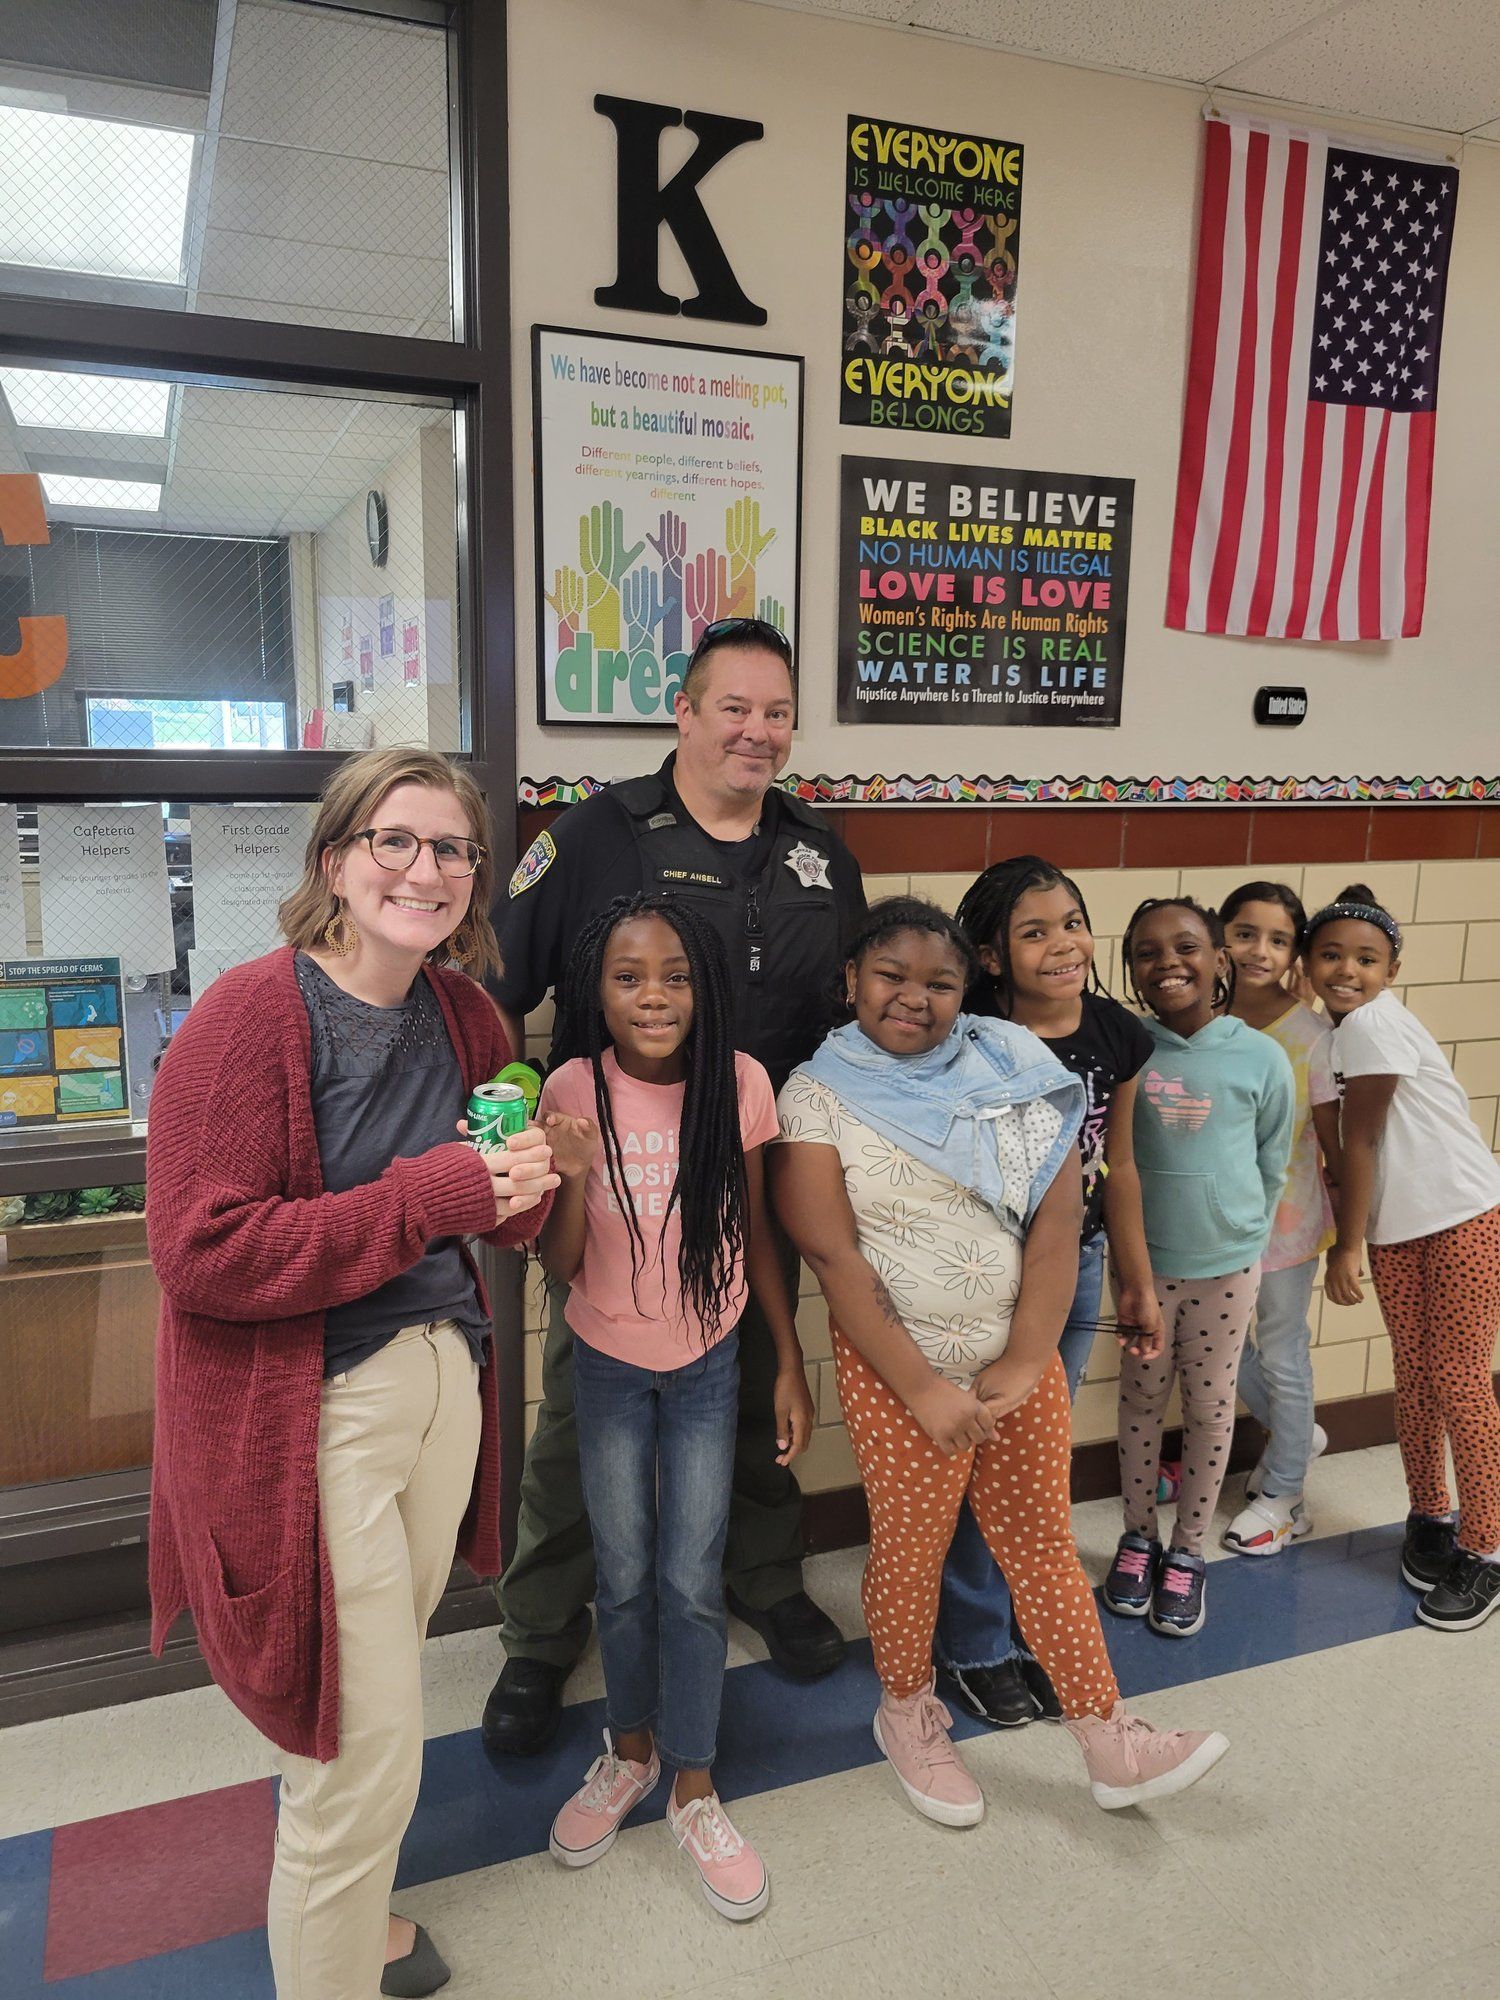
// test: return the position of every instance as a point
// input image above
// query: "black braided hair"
(709, 1193)
(1357, 901)
(989, 903)
(1280, 893)
(1223, 986)
(887, 919)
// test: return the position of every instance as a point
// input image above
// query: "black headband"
(1364, 913)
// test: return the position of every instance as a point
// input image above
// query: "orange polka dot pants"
(1017, 1485)
(1440, 1299)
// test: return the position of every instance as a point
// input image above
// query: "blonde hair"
(347, 808)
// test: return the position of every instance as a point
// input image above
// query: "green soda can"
(496, 1110)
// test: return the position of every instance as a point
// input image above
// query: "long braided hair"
(709, 1192)
(989, 903)
(1223, 986)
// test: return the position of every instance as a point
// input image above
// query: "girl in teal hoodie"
(1213, 1129)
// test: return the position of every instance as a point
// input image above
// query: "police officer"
(781, 889)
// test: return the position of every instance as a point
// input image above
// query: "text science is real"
(932, 238)
(967, 594)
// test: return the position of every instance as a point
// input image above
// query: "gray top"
(386, 1086)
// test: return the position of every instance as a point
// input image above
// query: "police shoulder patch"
(533, 864)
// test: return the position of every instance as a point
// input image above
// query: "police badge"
(809, 867)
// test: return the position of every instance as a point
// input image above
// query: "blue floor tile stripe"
(473, 1814)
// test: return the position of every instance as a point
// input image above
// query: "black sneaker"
(1178, 1608)
(1427, 1551)
(801, 1639)
(1132, 1576)
(1049, 1708)
(1468, 1593)
(524, 1708)
(997, 1695)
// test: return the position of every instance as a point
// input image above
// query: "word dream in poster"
(973, 595)
(668, 493)
(932, 248)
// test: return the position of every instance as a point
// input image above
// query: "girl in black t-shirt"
(1030, 927)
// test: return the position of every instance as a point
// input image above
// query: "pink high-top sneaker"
(1129, 1762)
(913, 1734)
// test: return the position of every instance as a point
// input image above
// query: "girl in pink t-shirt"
(660, 1231)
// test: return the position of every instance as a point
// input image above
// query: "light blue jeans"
(975, 1625)
(1276, 1378)
(657, 1456)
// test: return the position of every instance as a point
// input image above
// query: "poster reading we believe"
(967, 594)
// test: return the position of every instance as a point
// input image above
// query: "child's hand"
(1342, 1282)
(1006, 1383)
(1138, 1325)
(795, 1415)
(955, 1419)
(574, 1143)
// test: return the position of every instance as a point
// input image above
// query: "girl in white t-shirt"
(1423, 1190)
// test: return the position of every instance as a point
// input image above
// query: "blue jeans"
(1276, 1379)
(657, 1456)
(975, 1625)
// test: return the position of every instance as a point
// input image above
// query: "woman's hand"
(574, 1143)
(794, 1412)
(1006, 1383)
(953, 1418)
(1138, 1326)
(520, 1174)
(1342, 1281)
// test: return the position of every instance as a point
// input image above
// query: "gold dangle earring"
(340, 935)
(462, 948)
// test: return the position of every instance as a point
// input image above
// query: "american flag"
(1305, 481)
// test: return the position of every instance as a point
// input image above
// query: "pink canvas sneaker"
(732, 1874)
(913, 1734)
(1129, 1762)
(587, 1825)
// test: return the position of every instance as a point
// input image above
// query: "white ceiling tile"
(1194, 39)
(329, 199)
(1490, 131)
(302, 279)
(1362, 61)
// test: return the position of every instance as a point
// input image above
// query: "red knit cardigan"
(250, 1252)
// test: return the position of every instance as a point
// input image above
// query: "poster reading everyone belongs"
(931, 250)
(668, 496)
(974, 595)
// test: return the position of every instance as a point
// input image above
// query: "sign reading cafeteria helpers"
(974, 595)
(932, 239)
(668, 490)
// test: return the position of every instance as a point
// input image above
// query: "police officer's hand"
(574, 1143)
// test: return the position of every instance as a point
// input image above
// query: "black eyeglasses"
(394, 848)
(737, 631)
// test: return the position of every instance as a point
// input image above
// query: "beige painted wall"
(1109, 203)
(1451, 981)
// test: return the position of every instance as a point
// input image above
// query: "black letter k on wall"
(642, 205)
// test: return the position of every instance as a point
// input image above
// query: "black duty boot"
(802, 1640)
(524, 1708)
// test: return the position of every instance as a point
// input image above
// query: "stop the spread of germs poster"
(668, 495)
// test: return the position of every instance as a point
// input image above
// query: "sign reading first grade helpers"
(996, 596)
(669, 482)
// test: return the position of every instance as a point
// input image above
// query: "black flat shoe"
(996, 1695)
(422, 1971)
(802, 1640)
(524, 1708)
(1468, 1594)
(1048, 1707)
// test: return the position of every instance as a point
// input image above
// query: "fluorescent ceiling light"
(90, 194)
(66, 489)
(44, 399)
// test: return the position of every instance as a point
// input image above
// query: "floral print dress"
(951, 1265)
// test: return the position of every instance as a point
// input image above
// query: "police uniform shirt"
(781, 900)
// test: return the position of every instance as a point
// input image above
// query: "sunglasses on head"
(736, 631)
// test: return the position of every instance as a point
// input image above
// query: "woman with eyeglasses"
(326, 1414)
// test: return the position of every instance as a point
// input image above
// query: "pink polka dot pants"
(1017, 1484)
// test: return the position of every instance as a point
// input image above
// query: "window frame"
(86, 1520)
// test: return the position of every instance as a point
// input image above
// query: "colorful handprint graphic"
(604, 559)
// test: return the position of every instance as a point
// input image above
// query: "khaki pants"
(397, 1444)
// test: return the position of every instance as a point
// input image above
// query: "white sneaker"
(1268, 1525)
(1255, 1478)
